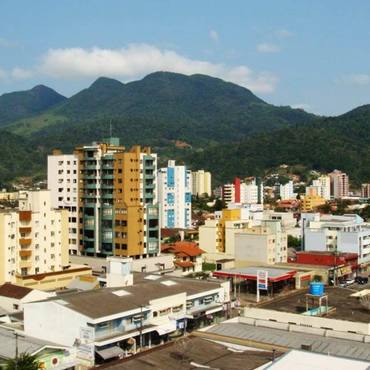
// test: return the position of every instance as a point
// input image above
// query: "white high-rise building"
(201, 183)
(323, 186)
(287, 191)
(251, 193)
(63, 185)
(33, 238)
(174, 194)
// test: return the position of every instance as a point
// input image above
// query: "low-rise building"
(12, 297)
(113, 322)
(187, 256)
(266, 244)
(347, 233)
(311, 202)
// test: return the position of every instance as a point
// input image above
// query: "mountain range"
(225, 127)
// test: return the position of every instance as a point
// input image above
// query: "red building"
(327, 258)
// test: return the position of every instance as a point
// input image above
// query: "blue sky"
(311, 54)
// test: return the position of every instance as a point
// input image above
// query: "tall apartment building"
(251, 192)
(118, 209)
(201, 183)
(287, 191)
(174, 194)
(339, 184)
(63, 184)
(323, 186)
(365, 190)
(33, 238)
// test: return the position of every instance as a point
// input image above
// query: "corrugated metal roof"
(320, 344)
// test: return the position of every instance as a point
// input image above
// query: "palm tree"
(24, 361)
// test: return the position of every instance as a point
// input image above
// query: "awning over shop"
(110, 352)
(166, 328)
(213, 310)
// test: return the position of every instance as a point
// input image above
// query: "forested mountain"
(230, 130)
(166, 106)
(337, 142)
(20, 104)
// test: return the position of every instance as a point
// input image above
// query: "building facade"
(63, 177)
(266, 244)
(174, 195)
(33, 238)
(201, 183)
(286, 191)
(348, 234)
(365, 190)
(323, 186)
(118, 208)
(339, 184)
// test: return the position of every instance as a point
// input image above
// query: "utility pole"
(141, 327)
(16, 350)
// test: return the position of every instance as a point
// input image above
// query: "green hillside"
(17, 105)
(338, 142)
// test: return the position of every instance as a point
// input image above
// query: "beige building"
(266, 244)
(33, 238)
(339, 184)
(201, 183)
(216, 237)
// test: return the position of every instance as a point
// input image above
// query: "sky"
(307, 54)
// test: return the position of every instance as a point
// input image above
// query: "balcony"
(25, 216)
(25, 230)
(25, 253)
(25, 264)
(90, 186)
(25, 242)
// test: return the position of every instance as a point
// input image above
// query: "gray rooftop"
(25, 344)
(103, 302)
(332, 346)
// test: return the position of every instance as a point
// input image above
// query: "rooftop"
(14, 291)
(117, 300)
(25, 344)
(194, 353)
(346, 306)
(183, 249)
(293, 340)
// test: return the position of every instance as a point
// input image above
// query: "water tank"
(316, 289)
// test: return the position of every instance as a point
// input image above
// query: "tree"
(24, 361)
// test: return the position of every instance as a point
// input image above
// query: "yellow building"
(118, 208)
(216, 237)
(311, 202)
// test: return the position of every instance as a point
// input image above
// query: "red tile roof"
(183, 249)
(14, 291)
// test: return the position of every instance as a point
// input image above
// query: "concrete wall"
(295, 320)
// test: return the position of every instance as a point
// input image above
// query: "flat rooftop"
(292, 340)
(194, 353)
(347, 307)
(250, 272)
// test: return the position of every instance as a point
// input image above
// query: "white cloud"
(21, 74)
(357, 79)
(214, 35)
(301, 106)
(136, 61)
(268, 48)
(283, 33)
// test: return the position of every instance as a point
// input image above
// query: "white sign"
(262, 280)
